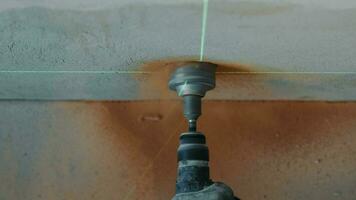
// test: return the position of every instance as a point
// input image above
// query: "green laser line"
(203, 29)
(72, 72)
(151, 72)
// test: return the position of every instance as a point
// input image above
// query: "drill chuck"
(193, 163)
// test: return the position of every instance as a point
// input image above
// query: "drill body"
(216, 191)
(193, 179)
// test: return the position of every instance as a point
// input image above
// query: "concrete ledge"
(140, 85)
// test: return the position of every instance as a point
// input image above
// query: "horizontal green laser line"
(152, 72)
(72, 72)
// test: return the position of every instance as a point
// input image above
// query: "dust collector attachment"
(191, 81)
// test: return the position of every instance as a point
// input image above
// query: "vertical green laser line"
(203, 29)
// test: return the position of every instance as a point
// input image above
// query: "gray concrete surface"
(290, 36)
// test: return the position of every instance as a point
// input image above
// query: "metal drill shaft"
(192, 125)
(192, 110)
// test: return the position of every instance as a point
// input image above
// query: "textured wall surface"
(120, 50)
(127, 150)
(118, 37)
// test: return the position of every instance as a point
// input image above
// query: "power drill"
(191, 81)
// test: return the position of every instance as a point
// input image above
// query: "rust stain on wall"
(138, 128)
(127, 150)
(259, 148)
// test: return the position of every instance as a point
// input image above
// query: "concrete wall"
(127, 150)
(120, 50)
(82, 49)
